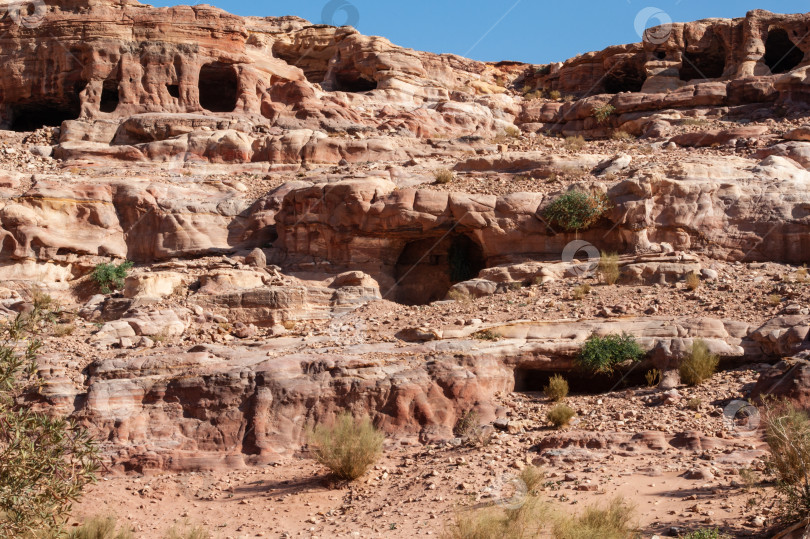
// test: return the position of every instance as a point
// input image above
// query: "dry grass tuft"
(348, 447)
(612, 522)
(560, 415)
(557, 388)
(444, 176)
(700, 365)
(692, 281)
(609, 268)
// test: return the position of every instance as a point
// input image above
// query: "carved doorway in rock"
(219, 87)
(709, 63)
(427, 268)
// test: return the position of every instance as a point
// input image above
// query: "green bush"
(349, 447)
(560, 415)
(602, 354)
(705, 533)
(699, 365)
(557, 388)
(604, 112)
(110, 277)
(577, 210)
(612, 522)
(45, 462)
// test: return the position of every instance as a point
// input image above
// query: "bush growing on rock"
(604, 112)
(444, 176)
(699, 365)
(560, 415)
(110, 277)
(602, 354)
(349, 447)
(557, 388)
(705, 533)
(45, 462)
(577, 210)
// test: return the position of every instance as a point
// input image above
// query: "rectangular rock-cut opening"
(109, 97)
(219, 87)
(30, 117)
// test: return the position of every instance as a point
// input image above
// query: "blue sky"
(535, 31)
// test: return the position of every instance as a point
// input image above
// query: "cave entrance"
(781, 54)
(625, 77)
(710, 63)
(529, 380)
(353, 81)
(427, 268)
(109, 96)
(33, 116)
(219, 87)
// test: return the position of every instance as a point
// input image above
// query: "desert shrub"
(694, 122)
(487, 335)
(705, 533)
(694, 404)
(577, 210)
(555, 95)
(45, 462)
(444, 176)
(653, 377)
(612, 522)
(581, 291)
(459, 295)
(575, 144)
(560, 415)
(692, 280)
(533, 95)
(532, 476)
(101, 528)
(110, 277)
(602, 354)
(604, 112)
(774, 299)
(622, 136)
(512, 131)
(609, 268)
(188, 531)
(349, 447)
(63, 330)
(787, 431)
(557, 388)
(468, 428)
(699, 365)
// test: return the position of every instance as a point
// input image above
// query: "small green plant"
(609, 268)
(575, 144)
(694, 404)
(349, 447)
(602, 354)
(557, 388)
(560, 415)
(444, 176)
(653, 377)
(612, 522)
(699, 365)
(581, 291)
(487, 335)
(577, 210)
(110, 277)
(604, 112)
(101, 528)
(692, 281)
(705, 533)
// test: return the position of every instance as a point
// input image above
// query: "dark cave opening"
(174, 90)
(352, 81)
(781, 54)
(709, 63)
(528, 380)
(626, 77)
(426, 269)
(30, 117)
(109, 96)
(219, 87)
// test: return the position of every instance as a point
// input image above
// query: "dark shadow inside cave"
(426, 269)
(781, 54)
(353, 81)
(628, 76)
(219, 87)
(109, 96)
(710, 63)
